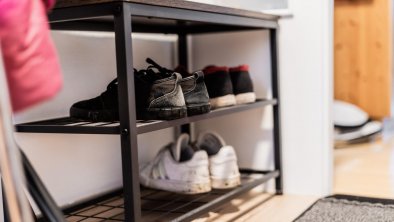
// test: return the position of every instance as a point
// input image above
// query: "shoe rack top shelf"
(75, 126)
(157, 16)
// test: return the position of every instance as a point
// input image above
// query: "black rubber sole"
(193, 110)
(166, 113)
(151, 114)
(94, 115)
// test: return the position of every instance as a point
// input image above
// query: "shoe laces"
(152, 73)
(163, 72)
(148, 75)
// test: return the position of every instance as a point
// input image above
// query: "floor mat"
(345, 208)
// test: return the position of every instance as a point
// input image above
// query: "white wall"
(306, 86)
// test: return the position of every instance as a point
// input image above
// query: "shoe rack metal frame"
(176, 17)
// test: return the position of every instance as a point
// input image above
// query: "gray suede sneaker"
(193, 87)
(195, 93)
(166, 100)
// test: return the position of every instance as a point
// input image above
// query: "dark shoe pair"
(229, 86)
(160, 94)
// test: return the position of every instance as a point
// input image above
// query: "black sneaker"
(156, 98)
(193, 87)
(220, 88)
(103, 108)
(242, 84)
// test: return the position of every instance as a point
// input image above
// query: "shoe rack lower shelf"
(76, 126)
(159, 205)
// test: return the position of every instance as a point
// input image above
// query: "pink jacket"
(30, 59)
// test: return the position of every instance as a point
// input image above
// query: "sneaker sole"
(226, 183)
(193, 110)
(94, 116)
(166, 113)
(223, 101)
(176, 186)
(245, 98)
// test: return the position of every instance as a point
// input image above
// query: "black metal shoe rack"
(183, 18)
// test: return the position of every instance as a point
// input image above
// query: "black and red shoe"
(220, 88)
(242, 84)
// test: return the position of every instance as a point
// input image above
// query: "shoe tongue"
(162, 71)
(181, 150)
(211, 143)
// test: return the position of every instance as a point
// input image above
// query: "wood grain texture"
(176, 4)
(362, 54)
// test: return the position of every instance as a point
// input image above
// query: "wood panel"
(362, 54)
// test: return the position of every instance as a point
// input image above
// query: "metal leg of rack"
(40, 193)
(127, 113)
(276, 111)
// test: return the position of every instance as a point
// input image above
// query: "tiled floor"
(109, 210)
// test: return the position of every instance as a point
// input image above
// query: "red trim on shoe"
(240, 68)
(213, 69)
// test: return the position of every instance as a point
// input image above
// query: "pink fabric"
(30, 60)
(49, 4)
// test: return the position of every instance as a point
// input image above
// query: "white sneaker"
(223, 165)
(167, 171)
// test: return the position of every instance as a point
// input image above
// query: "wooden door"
(362, 54)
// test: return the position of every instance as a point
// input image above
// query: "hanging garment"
(49, 4)
(30, 60)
